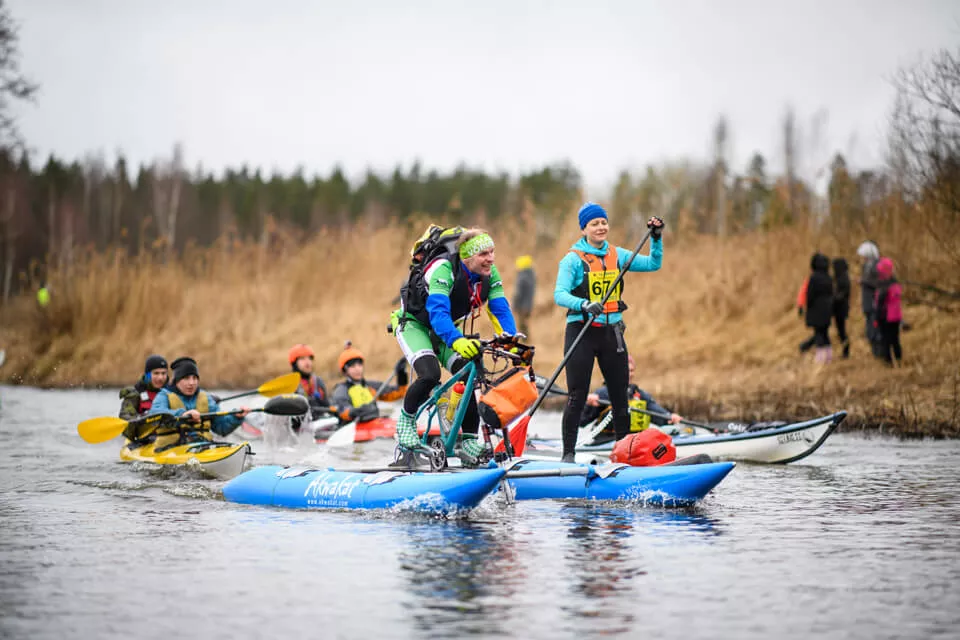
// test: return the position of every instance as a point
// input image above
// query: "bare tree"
(167, 181)
(925, 131)
(790, 153)
(13, 85)
(720, 140)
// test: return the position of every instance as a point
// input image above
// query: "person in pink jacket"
(889, 314)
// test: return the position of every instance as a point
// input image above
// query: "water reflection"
(609, 559)
(461, 575)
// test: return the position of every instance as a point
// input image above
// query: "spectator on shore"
(818, 308)
(888, 311)
(869, 255)
(841, 302)
(523, 294)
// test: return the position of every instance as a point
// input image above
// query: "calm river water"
(860, 540)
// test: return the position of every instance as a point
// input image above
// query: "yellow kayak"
(221, 460)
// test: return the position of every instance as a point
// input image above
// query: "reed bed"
(714, 332)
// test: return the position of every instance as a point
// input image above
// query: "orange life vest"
(599, 272)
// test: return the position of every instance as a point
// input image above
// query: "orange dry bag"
(509, 396)
(644, 449)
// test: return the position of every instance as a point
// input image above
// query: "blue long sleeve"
(500, 309)
(569, 275)
(438, 306)
(652, 405)
(161, 404)
(651, 262)
(222, 425)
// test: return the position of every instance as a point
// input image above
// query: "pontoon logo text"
(324, 486)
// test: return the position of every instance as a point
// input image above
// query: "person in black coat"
(819, 307)
(841, 301)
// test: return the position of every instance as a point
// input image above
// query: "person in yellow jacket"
(355, 397)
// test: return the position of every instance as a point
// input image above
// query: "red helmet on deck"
(299, 351)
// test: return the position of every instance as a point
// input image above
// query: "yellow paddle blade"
(96, 430)
(278, 386)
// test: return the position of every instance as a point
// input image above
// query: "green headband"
(475, 245)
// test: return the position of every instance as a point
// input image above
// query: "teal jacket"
(570, 275)
(221, 425)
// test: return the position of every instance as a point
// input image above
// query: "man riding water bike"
(443, 292)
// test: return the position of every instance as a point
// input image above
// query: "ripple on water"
(858, 541)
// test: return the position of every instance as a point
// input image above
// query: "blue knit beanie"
(589, 211)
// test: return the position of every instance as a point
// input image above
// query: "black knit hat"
(183, 367)
(154, 362)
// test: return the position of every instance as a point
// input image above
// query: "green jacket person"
(429, 329)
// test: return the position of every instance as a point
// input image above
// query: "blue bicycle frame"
(433, 408)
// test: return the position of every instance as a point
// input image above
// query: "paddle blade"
(518, 437)
(289, 404)
(278, 386)
(344, 436)
(97, 430)
(541, 383)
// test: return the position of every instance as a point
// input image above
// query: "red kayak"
(371, 430)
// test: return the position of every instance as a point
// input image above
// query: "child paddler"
(187, 400)
(136, 400)
(311, 386)
(355, 398)
(446, 288)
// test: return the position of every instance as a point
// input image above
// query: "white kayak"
(767, 444)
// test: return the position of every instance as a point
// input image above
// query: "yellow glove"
(466, 347)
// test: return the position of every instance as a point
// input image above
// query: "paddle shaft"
(383, 385)
(666, 416)
(585, 470)
(240, 395)
(588, 318)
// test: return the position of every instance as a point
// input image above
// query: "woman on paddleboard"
(584, 276)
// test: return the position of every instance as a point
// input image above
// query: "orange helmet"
(299, 351)
(349, 353)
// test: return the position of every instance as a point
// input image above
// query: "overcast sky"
(508, 85)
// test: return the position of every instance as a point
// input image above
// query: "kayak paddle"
(518, 435)
(666, 416)
(97, 430)
(286, 383)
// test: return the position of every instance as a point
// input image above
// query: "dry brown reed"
(715, 331)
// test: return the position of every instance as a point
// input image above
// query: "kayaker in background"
(818, 308)
(888, 311)
(187, 400)
(869, 255)
(452, 286)
(841, 302)
(638, 399)
(523, 294)
(584, 274)
(355, 398)
(311, 386)
(136, 400)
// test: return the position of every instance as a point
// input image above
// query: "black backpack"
(435, 242)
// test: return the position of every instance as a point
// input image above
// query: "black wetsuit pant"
(605, 345)
(820, 338)
(890, 349)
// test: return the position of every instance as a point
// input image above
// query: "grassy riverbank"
(715, 332)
